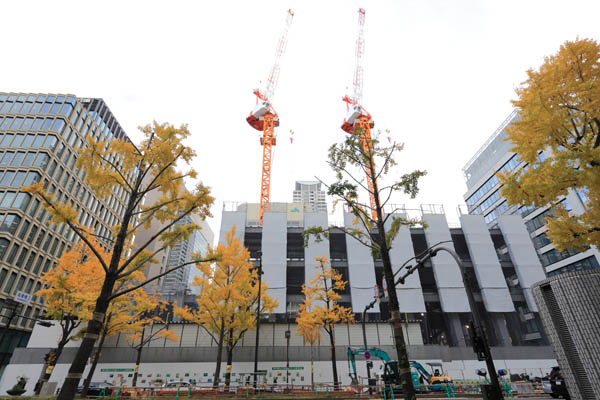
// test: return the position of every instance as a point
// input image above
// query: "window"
(3, 246)
(40, 238)
(7, 157)
(13, 253)
(34, 207)
(39, 139)
(10, 283)
(7, 178)
(38, 265)
(41, 160)
(22, 257)
(50, 142)
(28, 140)
(30, 261)
(19, 177)
(16, 161)
(32, 177)
(10, 224)
(18, 140)
(28, 159)
(8, 199)
(23, 231)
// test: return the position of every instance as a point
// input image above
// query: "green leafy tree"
(559, 109)
(357, 156)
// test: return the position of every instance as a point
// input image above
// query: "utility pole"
(260, 272)
(364, 330)
(480, 342)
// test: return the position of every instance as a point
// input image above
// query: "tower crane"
(264, 118)
(358, 120)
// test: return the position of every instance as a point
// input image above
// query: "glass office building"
(39, 138)
(483, 198)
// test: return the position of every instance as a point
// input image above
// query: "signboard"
(367, 355)
(22, 297)
(384, 284)
(261, 372)
(284, 368)
(117, 370)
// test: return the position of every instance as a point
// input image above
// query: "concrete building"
(569, 309)
(483, 198)
(39, 138)
(309, 192)
(502, 261)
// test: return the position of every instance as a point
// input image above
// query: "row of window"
(14, 200)
(586, 264)
(509, 166)
(32, 124)
(37, 105)
(541, 241)
(496, 212)
(18, 178)
(493, 181)
(554, 256)
(24, 159)
(480, 209)
(27, 141)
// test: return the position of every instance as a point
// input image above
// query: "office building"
(568, 308)
(483, 198)
(309, 192)
(39, 138)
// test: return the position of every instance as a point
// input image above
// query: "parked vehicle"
(546, 386)
(95, 389)
(557, 384)
(175, 384)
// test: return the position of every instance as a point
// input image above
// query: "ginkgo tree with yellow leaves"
(151, 166)
(309, 327)
(559, 109)
(70, 291)
(228, 299)
(320, 308)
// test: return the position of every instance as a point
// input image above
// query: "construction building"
(502, 261)
(483, 197)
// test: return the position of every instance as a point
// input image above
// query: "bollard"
(118, 392)
(189, 392)
(103, 393)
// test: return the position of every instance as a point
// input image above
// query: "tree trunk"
(336, 383)
(49, 367)
(137, 365)
(219, 355)
(396, 320)
(228, 369)
(88, 379)
(312, 367)
(138, 359)
(92, 331)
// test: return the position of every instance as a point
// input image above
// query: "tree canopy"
(559, 109)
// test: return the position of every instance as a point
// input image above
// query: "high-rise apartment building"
(182, 252)
(483, 198)
(39, 138)
(309, 192)
(174, 285)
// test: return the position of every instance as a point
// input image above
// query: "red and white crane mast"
(264, 118)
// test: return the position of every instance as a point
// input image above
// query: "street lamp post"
(13, 307)
(287, 356)
(260, 272)
(480, 342)
(364, 331)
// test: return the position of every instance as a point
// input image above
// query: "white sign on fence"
(22, 297)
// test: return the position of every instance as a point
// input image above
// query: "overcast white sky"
(438, 74)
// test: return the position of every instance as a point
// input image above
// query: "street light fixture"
(260, 272)
(476, 328)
